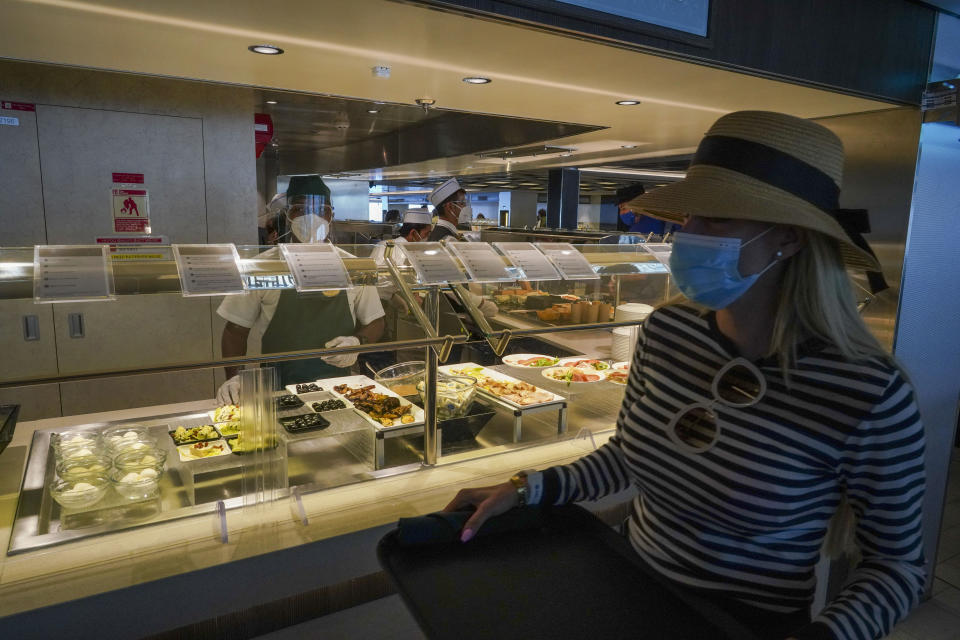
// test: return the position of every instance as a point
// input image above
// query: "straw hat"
(768, 167)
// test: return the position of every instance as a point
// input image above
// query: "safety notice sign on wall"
(130, 204)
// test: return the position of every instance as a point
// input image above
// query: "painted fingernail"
(466, 535)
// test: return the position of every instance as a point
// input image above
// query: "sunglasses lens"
(739, 385)
(697, 428)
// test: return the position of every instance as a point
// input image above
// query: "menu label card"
(569, 262)
(659, 250)
(532, 264)
(481, 261)
(208, 269)
(432, 264)
(316, 267)
(70, 273)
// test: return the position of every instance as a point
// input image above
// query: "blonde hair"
(817, 301)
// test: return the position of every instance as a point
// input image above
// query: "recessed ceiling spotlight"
(265, 49)
(627, 103)
(628, 146)
(271, 102)
(477, 80)
(373, 111)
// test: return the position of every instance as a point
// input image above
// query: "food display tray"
(289, 422)
(292, 388)
(216, 431)
(496, 375)
(364, 381)
(183, 451)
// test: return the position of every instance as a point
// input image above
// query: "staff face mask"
(466, 213)
(309, 228)
(705, 268)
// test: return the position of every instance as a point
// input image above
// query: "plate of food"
(529, 360)
(571, 375)
(305, 422)
(189, 435)
(518, 393)
(288, 401)
(377, 404)
(226, 413)
(304, 387)
(331, 404)
(228, 429)
(620, 366)
(202, 450)
(590, 364)
(618, 376)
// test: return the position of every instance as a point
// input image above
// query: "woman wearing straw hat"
(762, 409)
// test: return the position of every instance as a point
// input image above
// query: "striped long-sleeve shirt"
(747, 518)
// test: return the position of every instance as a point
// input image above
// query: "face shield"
(305, 219)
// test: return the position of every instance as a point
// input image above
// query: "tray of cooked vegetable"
(241, 445)
(226, 413)
(190, 435)
(517, 393)
(377, 404)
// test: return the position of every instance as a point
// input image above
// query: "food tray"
(232, 443)
(290, 402)
(228, 429)
(292, 388)
(364, 381)
(464, 369)
(289, 424)
(184, 451)
(213, 415)
(177, 443)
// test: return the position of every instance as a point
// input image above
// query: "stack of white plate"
(632, 311)
(625, 338)
(624, 342)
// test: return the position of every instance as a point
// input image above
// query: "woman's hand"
(489, 501)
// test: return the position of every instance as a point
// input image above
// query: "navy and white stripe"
(749, 516)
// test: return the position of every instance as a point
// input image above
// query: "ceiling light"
(265, 49)
(627, 103)
(628, 146)
(477, 80)
(373, 111)
(646, 173)
(271, 102)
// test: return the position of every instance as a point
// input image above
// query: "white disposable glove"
(342, 360)
(229, 391)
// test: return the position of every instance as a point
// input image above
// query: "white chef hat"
(417, 216)
(444, 191)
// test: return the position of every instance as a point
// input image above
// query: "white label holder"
(533, 265)
(72, 273)
(432, 263)
(481, 261)
(208, 269)
(571, 264)
(316, 267)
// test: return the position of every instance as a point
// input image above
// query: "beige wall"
(194, 143)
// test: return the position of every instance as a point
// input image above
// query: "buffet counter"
(94, 565)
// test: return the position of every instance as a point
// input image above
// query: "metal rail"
(242, 360)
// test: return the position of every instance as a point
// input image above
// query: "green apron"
(307, 321)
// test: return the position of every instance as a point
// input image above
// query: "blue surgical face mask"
(705, 268)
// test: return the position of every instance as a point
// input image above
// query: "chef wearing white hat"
(416, 227)
(452, 208)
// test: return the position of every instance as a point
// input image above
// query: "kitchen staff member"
(451, 209)
(296, 321)
(416, 227)
(632, 221)
(762, 408)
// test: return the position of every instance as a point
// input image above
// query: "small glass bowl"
(455, 395)
(79, 494)
(77, 468)
(115, 437)
(402, 378)
(79, 444)
(136, 485)
(137, 459)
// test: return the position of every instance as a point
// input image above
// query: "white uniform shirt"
(255, 307)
